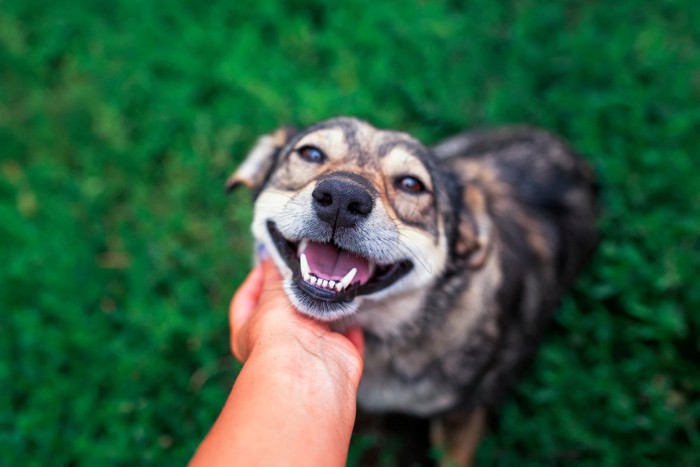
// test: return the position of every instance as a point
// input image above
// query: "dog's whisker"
(415, 252)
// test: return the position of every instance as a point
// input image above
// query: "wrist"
(316, 357)
(302, 388)
(294, 399)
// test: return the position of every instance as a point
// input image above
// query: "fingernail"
(262, 253)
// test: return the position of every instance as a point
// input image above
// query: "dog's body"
(460, 253)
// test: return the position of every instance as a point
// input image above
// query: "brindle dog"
(452, 259)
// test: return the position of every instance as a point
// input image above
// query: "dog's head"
(349, 213)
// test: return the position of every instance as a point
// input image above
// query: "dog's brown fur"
(504, 223)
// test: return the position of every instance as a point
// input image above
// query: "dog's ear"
(260, 161)
(474, 230)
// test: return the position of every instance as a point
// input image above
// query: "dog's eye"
(410, 185)
(311, 154)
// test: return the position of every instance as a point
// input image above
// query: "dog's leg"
(458, 436)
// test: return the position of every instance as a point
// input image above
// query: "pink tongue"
(327, 262)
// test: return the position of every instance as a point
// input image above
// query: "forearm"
(285, 408)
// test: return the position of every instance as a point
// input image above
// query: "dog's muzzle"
(334, 263)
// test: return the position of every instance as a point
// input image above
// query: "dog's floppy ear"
(475, 228)
(260, 161)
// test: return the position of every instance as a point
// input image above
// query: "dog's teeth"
(331, 284)
(302, 246)
(304, 265)
(345, 281)
(325, 283)
(338, 286)
(312, 279)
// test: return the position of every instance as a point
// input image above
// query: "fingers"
(269, 272)
(247, 297)
(261, 292)
(242, 306)
(273, 298)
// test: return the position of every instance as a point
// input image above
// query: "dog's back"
(542, 200)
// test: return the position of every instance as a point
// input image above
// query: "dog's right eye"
(311, 154)
(410, 185)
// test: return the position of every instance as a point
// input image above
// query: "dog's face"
(348, 212)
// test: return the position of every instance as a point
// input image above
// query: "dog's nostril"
(358, 208)
(323, 198)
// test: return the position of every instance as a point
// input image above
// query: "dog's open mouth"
(329, 273)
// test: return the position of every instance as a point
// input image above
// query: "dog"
(452, 258)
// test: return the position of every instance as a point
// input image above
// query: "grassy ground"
(119, 122)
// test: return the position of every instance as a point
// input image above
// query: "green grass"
(119, 122)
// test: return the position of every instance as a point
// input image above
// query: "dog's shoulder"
(540, 195)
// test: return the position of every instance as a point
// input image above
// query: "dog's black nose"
(341, 203)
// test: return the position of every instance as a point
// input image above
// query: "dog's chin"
(327, 282)
(318, 309)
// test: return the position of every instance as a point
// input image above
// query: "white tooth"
(304, 265)
(325, 283)
(345, 281)
(331, 284)
(338, 286)
(302, 246)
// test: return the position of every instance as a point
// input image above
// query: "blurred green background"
(119, 122)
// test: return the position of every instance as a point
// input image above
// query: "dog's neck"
(389, 317)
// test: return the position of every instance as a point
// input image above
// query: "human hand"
(262, 319)
(296, 395)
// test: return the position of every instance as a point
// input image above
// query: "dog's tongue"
(327, 262)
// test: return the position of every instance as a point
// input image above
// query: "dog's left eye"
(311, 154)
(409, 184)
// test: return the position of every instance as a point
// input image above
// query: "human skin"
(293, 402)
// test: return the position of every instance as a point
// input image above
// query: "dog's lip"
(382, 276)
